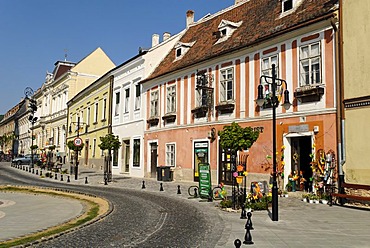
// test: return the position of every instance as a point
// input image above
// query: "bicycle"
(218, 192)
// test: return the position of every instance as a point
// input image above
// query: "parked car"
(26, 159)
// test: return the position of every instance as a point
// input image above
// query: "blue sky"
(36, 33)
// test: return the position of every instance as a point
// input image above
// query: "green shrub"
(226, 203)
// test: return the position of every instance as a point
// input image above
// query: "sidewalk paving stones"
(300, 224)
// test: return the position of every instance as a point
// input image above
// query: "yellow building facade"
(89, 118)
(356, 91)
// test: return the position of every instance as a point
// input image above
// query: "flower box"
(309, 93)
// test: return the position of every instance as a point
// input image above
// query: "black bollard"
(68, 180)
(161, 188)
(248, 235)
(243, 214)
(237, 243)
(249, 220)
(51, 175)
(33, 171)
(195, 192)
(37, 172)
(143, 185)
(61, 177)
(56, 176)
(86, 180)
(27, 169)
(40, 173)
(178, 190)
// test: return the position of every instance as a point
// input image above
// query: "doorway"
(301, 148)
(153, 159)
(126, 155)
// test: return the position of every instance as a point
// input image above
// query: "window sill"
(225, 107)
(199, 112)
(170, 117)
(309, 94)
(153, 121)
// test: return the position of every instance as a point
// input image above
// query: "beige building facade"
(66, 80)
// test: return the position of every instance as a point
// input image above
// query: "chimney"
(189, 17)
(166, 36)
(155, 40)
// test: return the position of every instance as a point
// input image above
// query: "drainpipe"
(340, 98)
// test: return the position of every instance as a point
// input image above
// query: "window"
(170, 155)
(94, 148)
(267, 71)
(96, 112)
(115, 158)
(171, 99)
(136, 158)
(127, 100)
(310, 59)
(287, 5)
(178, 52)
(88, 116)
(202, 90)
(116, 108)
(137, 97)
(154, 104)
(226, 85)
(104, 114)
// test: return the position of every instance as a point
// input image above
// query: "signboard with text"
(204, 180)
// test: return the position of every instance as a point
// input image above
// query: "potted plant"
(324, 198)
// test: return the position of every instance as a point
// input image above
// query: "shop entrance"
(153, 159)
(200, 156)
(301, 148)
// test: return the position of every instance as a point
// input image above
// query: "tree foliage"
(237, 138)
(109, 142)
(72, 146)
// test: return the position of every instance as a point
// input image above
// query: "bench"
(352, 196)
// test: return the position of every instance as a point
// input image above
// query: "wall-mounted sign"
(298, 128)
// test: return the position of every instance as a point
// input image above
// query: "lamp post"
(33, 120)
(77, 142)
(274, 82)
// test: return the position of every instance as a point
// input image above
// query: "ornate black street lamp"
(33, 108)
(274, 82)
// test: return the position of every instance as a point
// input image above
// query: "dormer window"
(287, 5)
(182, 48)
(225, 30)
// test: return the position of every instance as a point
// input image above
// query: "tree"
(109, 142)
(237, 138)
(72, 146)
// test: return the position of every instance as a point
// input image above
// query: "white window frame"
(88, 116)
(171, 154)
(104, 109)
(137, 96)
(96, 112)
(127, 100)
(154, 103)
(117, 103)
(283, 5)
(225, 83)
(136, 149)
(171, 98)
(266, 70)
(313, 78)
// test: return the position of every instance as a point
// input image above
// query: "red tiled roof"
(260, 20)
